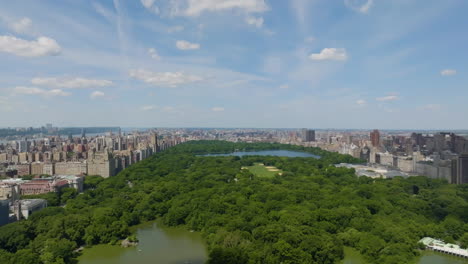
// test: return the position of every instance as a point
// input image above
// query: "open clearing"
(260, 170)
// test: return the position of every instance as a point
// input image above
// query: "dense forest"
(306, 215)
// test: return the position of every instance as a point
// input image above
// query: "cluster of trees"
(307, 215)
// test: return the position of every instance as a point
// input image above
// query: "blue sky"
(235, 63)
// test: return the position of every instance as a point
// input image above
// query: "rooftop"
(440, 245)
(32, 202)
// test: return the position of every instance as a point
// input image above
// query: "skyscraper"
(375, 138)
(83, 133)
(154, 141)
(307, 135)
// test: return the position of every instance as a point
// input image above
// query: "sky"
(387, 64)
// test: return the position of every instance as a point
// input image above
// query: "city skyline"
(358, 64)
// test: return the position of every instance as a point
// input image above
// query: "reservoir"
(157, 244)
(278, 153)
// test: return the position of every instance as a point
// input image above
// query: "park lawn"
(259, 170)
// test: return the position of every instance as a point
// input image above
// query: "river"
(278, 153)
(157, 244)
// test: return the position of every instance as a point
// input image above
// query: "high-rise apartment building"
(307, 135)
(23, 146)
(375, 138)
(101, 163)
(462, 169)
(154, 141)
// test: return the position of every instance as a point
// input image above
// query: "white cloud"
(149, 4)
(185, 45)
(361, 6)
(175, 29)
(154, 54)
(387, 98)
(338, 54)
(148, 107)
(23, 26)
(448, 72)
(96, 94)
(164, 79)
(70, 83)
(217, 109)
(39, 91)
(196, 7)
(257, 22)
(104, 12)
(43, 46)
(361, 102)
(284, 86)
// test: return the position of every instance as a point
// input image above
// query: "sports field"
(260, 170)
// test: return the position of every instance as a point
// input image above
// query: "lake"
(278, 153)
(157, 244)
(168, 245)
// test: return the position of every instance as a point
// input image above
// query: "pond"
(157, 244)
(278, 153)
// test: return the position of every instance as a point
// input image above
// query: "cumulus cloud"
(448, 72)
(257, 22)
(39, 91)
(361, 6)
(154, 54)
(96, 94)
(217, 109)
(43, 46)
(387, 98)
(361, 102)
(70, 83)
(338, 54)
(164, 79)
(196, 7)
(23, 26)
(185, 45)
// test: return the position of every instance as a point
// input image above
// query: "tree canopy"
(306, 215)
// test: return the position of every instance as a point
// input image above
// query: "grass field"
(260, 170)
